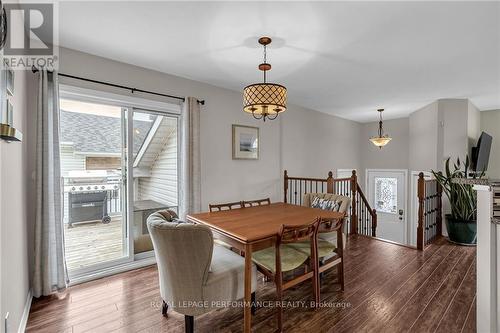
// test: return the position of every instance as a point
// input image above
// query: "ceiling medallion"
(382, 139)
(264, 100)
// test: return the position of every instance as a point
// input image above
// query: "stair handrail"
(345, 186)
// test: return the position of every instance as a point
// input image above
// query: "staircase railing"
(430, 211)
(367, 219)
(360, 212)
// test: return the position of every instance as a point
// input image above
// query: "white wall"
(423, 139)
(422, 142)
(490, 123)
(395, 154)
(222, 109)
(454, 114)
(13, 213)
(473, 126)
(305, 142)
(313, 143)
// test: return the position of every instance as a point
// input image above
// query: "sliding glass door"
(119, 164)
(154, 170)
(93, 147)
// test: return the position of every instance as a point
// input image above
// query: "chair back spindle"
(258, 202)
(225, 206)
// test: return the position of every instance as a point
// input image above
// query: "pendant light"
(264, 100)
(382, 139)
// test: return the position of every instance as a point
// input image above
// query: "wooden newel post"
(374, 223)
(285, 186)
(329, 182)
(439, 217)
(354, 214)
(421, 200)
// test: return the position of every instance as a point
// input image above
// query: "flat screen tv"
(481, 153)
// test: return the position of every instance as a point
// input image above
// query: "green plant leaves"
(462, 196)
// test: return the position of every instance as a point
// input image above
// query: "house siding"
(162, 185)
(69, 161)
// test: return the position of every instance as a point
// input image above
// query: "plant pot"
(460, 231)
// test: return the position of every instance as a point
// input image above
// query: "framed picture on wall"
(245, 142)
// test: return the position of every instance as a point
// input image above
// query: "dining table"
(251, 229)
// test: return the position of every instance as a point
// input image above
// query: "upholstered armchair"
(195, 276)
(344, 204)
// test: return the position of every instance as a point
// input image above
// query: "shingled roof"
(91, 133)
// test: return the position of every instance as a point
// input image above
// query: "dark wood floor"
(389, 288)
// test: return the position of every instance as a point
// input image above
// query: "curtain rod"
(132, 90)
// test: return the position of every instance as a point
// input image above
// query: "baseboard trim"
(26, 312)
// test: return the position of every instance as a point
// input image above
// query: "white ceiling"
(342, 58)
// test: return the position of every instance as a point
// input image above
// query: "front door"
(387, 194)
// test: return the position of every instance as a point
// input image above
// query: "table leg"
(248, 289)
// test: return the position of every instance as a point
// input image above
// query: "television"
(481, 153)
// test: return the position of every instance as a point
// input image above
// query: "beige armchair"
(195, 276)
(345, 203)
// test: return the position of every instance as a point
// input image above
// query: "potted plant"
(461, 223)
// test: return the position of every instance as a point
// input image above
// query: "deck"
(92, 243)
(388, 288)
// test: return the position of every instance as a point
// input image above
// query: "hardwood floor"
(388, 288)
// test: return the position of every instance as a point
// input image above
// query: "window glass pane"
(91, 153)
(386, 195)
(155, 171)
(144, 126)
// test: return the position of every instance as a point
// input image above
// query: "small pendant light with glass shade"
(382, 139)
(264, 100)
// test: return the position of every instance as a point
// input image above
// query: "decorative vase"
(460, 231)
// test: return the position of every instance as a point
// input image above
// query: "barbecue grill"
(88, 206)
(89, 193)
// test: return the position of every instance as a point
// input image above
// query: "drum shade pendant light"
(264, 100)
(382, 139)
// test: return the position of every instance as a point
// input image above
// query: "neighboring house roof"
(91, 133)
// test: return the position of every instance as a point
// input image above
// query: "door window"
(386, 194)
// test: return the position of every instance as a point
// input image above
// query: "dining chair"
(328, 254)
(195, 276)
(258, 202)
(225, 206)
(282, 258)
(221, 207)
(343, 204)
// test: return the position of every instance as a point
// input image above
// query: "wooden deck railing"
(430, 211)
(360, 211)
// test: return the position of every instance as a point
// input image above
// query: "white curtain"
(50, 272)
(190, 174)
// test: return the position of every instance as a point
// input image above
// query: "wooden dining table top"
(251, 224)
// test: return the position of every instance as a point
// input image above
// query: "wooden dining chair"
(225, 206)
(258, 202)
(328, 254)
(221, 207)
(282, 258)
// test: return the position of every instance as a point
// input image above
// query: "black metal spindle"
(294, 193)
